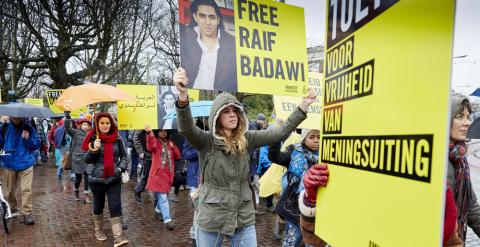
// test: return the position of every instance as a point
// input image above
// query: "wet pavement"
(62, 221)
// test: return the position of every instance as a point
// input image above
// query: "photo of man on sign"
(207, 46)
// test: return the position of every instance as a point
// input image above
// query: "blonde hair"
(236, 143)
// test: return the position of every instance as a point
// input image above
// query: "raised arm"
(280, 132)
(186, 127)
(68, 124)
(151, 142)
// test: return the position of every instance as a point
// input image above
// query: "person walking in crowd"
(20, 140)
(107, 156)
(140, 145)
(458, 177)
(263, 164)
(78, 164)
(42, 130)
(62, 144)
(127, 137)
(180, 177)
(303, 156)
(51, 136)
(164, 153)
(190, 154)
(225, 200)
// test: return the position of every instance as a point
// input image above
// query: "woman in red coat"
(164, 153)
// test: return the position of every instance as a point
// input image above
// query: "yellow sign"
(34, 101)
(53, 95)
(194, 95)
(284, 105)
(271, 48)
(134, 115)
(261, 48)
(385, 122)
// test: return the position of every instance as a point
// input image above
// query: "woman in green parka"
(224, 206)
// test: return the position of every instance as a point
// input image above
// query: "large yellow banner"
(253, 46)
(284, 105)
(385, 122)
(134, 115)
(53, 95)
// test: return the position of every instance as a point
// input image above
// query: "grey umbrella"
(25, 110)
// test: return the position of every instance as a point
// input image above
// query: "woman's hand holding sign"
(180, 80)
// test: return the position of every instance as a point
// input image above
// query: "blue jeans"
(135, 161)
(246, 237)
(58, 161)
(162, 206)
(293, 235)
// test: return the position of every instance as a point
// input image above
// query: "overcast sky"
(465, 70)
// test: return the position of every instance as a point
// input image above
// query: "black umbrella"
(25, 110)
(474, 129)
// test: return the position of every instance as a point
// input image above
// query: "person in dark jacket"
(298, 160)
(140, 145)
(20, 140)
(78, 165)
(207, 50)
(458, 176)
(106, 157)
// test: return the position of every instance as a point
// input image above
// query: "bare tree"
(77, 40)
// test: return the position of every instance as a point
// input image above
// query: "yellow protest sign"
(34, 101)
(194, 95)
(385, 122)
(53, 95)
(284, 105)
(134, 115)
(260, 47)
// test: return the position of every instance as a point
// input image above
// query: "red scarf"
(108, 140)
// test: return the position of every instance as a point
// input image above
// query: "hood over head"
(221, 101)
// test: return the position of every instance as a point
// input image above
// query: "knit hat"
(83, 120)
(304, 134)
(261, 116)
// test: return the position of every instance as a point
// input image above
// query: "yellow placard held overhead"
(271, 48)
(134, 115)
(284, 105)
(53, 95)
(34, 101)
(260, 47)
(385, 122)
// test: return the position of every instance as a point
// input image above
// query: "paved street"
(61, 221)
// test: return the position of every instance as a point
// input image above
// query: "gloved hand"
(315, 177)
(67, 115)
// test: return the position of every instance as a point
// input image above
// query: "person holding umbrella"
(19, 140)
(107, 159)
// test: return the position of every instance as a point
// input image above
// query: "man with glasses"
(207, 50)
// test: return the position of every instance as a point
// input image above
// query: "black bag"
(287, 205)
